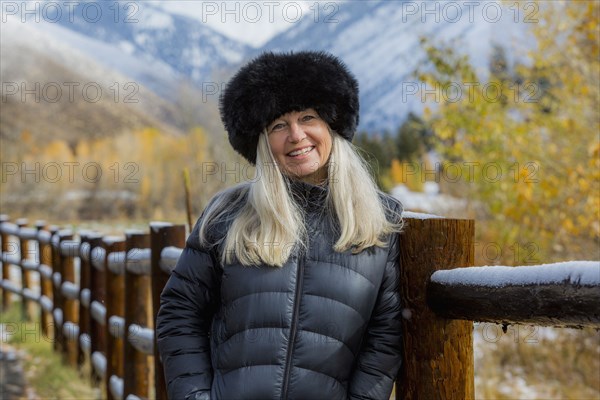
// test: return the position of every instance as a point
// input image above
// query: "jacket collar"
(307, 195)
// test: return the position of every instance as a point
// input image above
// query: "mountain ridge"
(54, 99)
(186, 64)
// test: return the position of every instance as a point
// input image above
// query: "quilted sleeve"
(187, 305)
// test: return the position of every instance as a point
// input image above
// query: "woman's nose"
(296, 133)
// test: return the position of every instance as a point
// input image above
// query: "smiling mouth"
(300, 152)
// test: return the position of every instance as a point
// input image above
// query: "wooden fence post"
(115, 310)
(138, 308)
(98, 309)
(58, 301)
(69, 290)
(25, 274)
(30, 265)
(45, 269)
(161, 235)
(6, 295)
(88, 240)
(438, 353)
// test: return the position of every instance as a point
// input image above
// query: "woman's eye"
(308, 117)
(277, 127)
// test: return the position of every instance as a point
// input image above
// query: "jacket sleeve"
(380, 356)
(187, 305)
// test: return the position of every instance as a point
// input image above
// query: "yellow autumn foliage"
(536, 155)
(135, 175)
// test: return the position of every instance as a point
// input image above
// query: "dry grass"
(536, 363)
(46, 375)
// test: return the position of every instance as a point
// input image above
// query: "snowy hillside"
(149, 44)
(380, 42)
(54, 90)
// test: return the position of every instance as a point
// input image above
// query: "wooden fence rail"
(560, 294)
(98, 297)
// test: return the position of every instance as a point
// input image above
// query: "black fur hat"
(274, 84)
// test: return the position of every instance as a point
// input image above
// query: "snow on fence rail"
(102, 307)
(563, 294)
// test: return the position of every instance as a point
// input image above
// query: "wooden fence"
(98, 297)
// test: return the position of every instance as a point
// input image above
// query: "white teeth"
(300, 152)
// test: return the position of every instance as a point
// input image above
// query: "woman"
(288, 285)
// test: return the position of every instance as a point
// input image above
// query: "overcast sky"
(252, 22)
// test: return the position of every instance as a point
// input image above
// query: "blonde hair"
(269, 224)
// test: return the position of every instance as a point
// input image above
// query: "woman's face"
(301, 144)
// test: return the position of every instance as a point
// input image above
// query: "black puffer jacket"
(324, 326)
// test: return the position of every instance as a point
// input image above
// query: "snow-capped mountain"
(379, 40)
(53, 90)
(148, 43)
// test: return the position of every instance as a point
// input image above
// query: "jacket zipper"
(294, 326)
